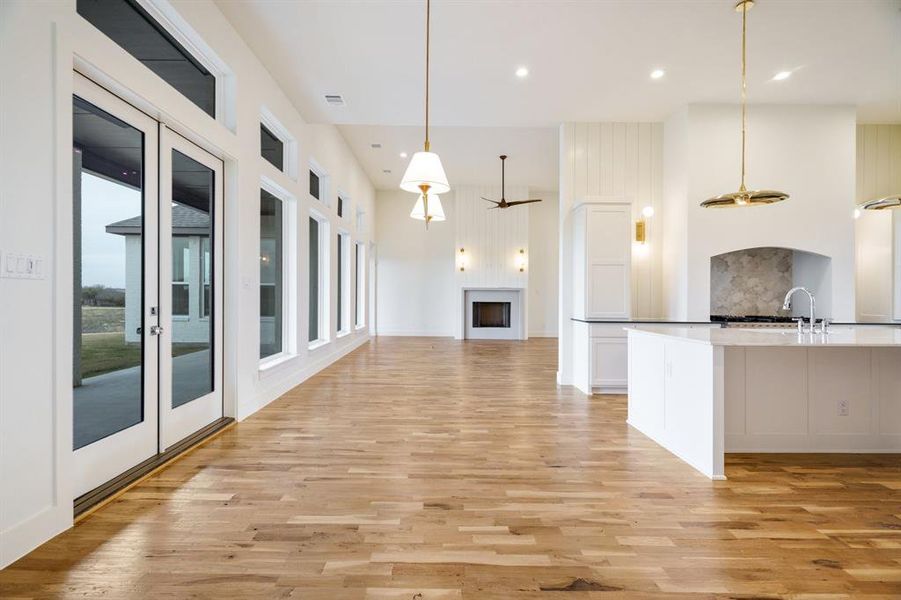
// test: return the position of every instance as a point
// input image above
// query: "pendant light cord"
(428, 15)
(744, 89)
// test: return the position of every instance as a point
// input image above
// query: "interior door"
(190, 288)
(115, 290)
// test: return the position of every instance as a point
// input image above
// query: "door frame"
(176, 424)
(108, 457)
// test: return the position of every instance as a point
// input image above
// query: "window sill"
(341, 334)
(318, 344)
(270, 362)
(360, 326)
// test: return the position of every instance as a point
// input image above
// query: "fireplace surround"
(493, 314)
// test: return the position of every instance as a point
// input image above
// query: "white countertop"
(838, 336)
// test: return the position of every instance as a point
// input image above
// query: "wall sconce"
(461, 260)
(641, 228)
(521, 260)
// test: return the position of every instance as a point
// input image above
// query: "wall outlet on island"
(843, 407)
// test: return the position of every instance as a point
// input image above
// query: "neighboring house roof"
(185, 221)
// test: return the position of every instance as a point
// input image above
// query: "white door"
(191, 259)
(115, 288)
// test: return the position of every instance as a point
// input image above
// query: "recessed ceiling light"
(403, 155)
(782, 75)
(657, 73)
(522, 72)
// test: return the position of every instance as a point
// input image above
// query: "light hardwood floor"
(459, 470)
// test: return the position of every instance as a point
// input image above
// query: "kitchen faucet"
(787, 304)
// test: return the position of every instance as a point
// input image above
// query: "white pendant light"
(435, 210)
(425, 174)
(744, 196)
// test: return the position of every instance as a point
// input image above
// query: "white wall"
(544, 251)
(623, 160)
(419, 284)
(807, 151)
(415, 268)
(39, 41)
(878, 175)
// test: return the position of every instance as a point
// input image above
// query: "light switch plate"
(14, 265)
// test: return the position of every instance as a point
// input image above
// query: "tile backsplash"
(750, 282)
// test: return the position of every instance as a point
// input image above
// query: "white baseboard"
(25, 536)
(413, 333)
(543, 334)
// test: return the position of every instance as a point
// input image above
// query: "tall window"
(139, 34)
(181, 276)
(343, 283)
(272, 148)
(271, 288)
(319, 267)
(359, 284)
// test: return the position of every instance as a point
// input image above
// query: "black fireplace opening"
(491, 314)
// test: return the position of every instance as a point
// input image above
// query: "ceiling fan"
(503, 202)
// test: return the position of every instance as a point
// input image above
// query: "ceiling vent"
(335, 100)
(375, 146)
(386, 171)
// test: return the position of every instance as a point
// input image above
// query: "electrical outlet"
(843, 409)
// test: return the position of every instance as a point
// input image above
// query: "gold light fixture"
(882, 203)
(425, 175)
(521, 260)
(461, 261)
(744, 196)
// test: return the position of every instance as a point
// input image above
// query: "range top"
(750, 319)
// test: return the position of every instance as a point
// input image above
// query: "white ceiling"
(469, 154)
(588, 60)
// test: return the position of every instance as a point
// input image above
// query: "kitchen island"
(702, 392)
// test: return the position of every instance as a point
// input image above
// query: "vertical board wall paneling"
(491, 238)
(622, 160)
(877, 246)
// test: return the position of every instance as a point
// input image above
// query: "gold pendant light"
(881, 203)
(744, 196)
(425, 175)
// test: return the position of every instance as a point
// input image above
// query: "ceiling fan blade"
(489, 200)
(523, 202)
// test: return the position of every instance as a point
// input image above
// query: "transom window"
(272, 148)
(131, 27)
(314, 184)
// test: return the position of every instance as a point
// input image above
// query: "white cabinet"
(602, 259)
(609, 358)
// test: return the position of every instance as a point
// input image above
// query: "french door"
(147, 286)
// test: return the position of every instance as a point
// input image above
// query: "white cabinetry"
(602, 258)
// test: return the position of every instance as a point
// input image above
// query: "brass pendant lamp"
(881, 203)
(425, 175)
(744, 196)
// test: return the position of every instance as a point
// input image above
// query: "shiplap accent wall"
(607, 160)
(878, 233)
(491, 238)
(624, 160)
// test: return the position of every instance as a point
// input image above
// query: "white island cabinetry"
(701, 393)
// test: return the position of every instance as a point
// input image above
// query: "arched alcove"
(753, 281)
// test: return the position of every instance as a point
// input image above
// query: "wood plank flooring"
(434, 469)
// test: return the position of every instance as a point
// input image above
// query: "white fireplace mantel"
(518, 313)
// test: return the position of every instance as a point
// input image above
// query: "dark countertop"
(734, 323)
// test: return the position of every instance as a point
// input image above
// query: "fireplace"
(491, 314)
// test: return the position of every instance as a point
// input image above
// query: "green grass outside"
(107, 352)
(102, 319)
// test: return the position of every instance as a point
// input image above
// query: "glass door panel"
(114, 207)
(190, 222)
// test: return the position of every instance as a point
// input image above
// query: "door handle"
(156, 330)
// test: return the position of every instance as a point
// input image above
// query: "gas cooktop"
(750, 319)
